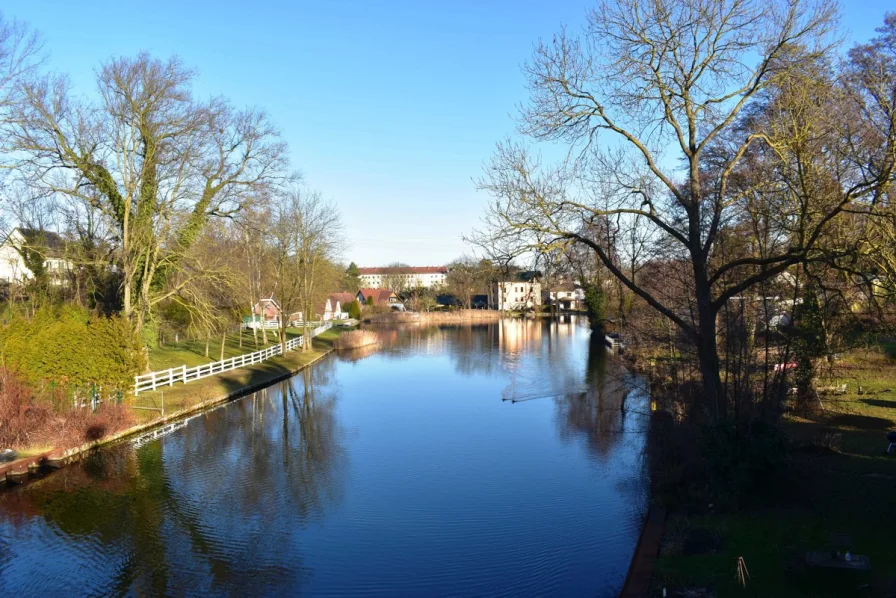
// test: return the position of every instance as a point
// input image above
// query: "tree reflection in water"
(598, 411)
(225, 500)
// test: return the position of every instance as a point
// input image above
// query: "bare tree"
(672, 75)
(20, 55)
(465, 277)
(156, 162)
(251, 268)
(307, 243)
(397, 278)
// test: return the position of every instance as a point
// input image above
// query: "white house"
(48, 245)
(333, 306)
(517, 292)
(411, 277)
(566, 296)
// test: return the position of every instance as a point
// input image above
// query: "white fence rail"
(154, 380)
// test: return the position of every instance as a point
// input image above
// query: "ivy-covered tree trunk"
(595, 305)
(809, 342)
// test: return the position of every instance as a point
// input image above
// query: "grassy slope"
(180, 396)
(849, 489)
(192, 353)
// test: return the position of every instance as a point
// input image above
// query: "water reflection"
(610, 399)
(208, 509)
(452, 461)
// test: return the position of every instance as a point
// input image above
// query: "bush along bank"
(65, 378)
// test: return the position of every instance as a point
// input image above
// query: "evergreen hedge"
(69, 346)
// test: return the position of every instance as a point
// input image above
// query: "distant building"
(43, 244)
(410, 277)
(268, 308)
(567, 296)
(516, 292)
(380, 298)
(334, 305)
(266, 313)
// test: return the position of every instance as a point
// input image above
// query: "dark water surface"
(501, 459)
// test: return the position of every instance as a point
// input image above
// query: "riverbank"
(181, 400)
(836, 487)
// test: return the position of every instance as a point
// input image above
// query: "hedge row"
(70, 346)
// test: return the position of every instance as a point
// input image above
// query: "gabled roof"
(566, 286)
(379, 295)
(269, 300)
(523, 276)
(337, 301)
(42, 237)
(39, 239)
(342, 297)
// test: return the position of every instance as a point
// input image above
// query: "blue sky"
(390, 108)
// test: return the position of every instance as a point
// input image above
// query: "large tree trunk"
(254, 325)
(306, 332)
(707, 351)
(264, 328)
(137, 319)
(128, 308)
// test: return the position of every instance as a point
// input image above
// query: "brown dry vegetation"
(27, 420)
(357, 339)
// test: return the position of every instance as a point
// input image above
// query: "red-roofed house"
(381, 297)
(268, 308)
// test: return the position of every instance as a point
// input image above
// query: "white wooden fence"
(153, 380)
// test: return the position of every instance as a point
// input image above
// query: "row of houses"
(518, 292)
(267, 312)
(523, 291)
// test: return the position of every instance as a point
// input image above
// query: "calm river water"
(500, 459)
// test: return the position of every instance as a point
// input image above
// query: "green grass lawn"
(192, 353)
(839, 480)
(180, 396)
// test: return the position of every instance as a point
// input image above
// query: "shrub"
(595, 303)
(354, 310)
(70, 346)
(20, 418)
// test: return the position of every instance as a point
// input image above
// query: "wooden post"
(184, 366)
